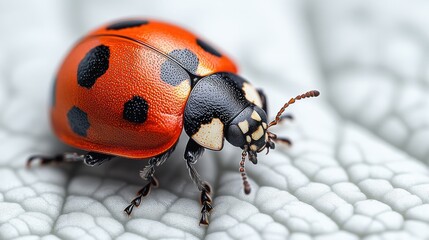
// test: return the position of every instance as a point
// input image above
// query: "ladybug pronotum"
(128, 89)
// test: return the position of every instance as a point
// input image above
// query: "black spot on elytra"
(78, 121)
(208, 48)
(93, 65)
(127, 24)
(135, 110)
(172, 73)
(187, 58)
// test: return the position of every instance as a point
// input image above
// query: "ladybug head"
(249, 131)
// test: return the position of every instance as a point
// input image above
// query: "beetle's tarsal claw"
(206, 202)
(204, 221)
(129, 209)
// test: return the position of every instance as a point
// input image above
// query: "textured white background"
(358, 166)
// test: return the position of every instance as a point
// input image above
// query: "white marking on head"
(210, 135)
(252, 95)
(255, 116)
(258, 133)
(248, 139)
(244, 126)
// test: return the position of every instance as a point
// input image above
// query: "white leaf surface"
(358, 165)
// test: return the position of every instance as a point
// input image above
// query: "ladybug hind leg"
(192, 153)
(89, 159)
(148, 174)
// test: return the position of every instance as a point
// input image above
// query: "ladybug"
(128, 89)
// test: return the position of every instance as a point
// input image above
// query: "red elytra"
(136, 58)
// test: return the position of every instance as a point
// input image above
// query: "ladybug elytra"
(129, 88)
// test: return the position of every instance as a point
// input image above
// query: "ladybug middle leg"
(148, 174)
(192, 153)
(89, 159)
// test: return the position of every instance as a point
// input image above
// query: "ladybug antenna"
(313, 93)
(242, 170)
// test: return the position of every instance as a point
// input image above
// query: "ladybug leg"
(148, 174)
(206, 202)
(89, 159)
(192, 153)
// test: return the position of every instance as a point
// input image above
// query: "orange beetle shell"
(111, 95)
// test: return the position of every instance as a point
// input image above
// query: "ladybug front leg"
(90, 159)
(192, 153)
(148, 173)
